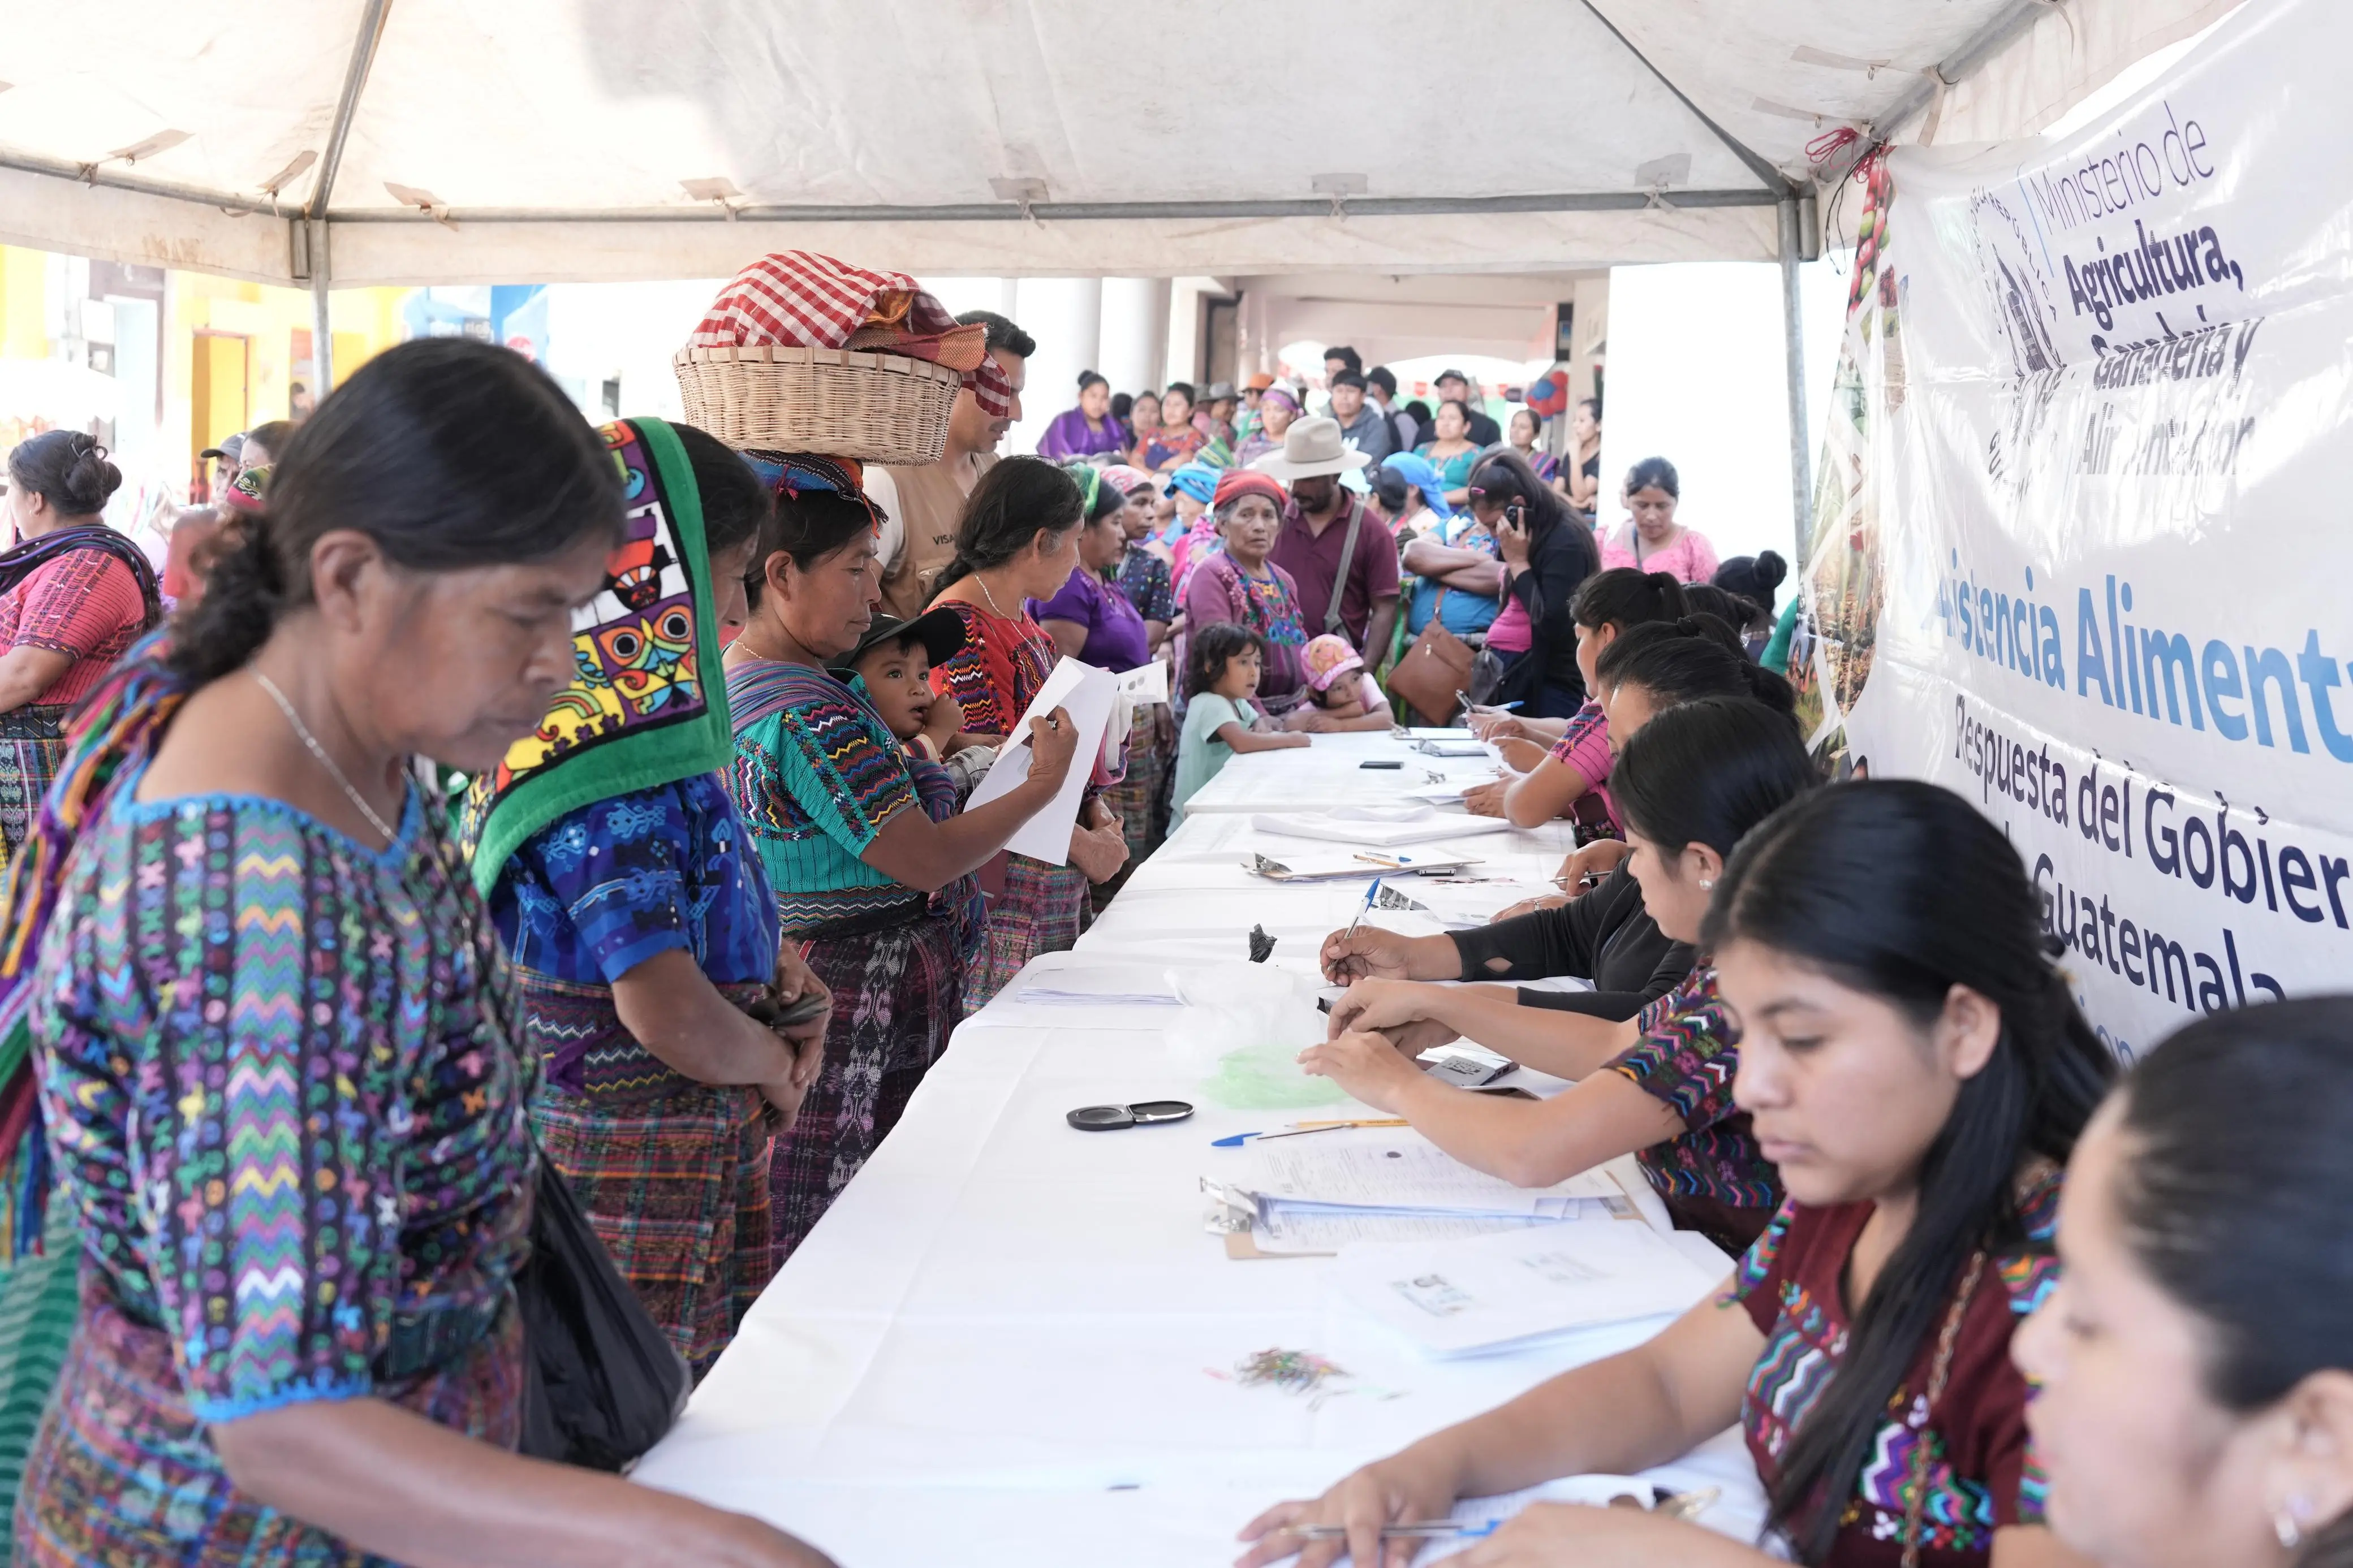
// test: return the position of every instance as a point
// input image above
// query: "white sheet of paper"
(1145, 683)
(1456, 1298)
(1404, 1172)
(1379, 827)
(1086, 693)
(1465, 904)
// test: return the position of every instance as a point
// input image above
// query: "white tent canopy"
(439, 141)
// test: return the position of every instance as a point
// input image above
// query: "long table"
(1329, 772)
(1010, 1341)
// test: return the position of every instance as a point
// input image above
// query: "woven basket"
(876, 407)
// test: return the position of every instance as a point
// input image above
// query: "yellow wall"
(366, 321)
(24, 288)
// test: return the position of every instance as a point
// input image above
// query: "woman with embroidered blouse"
(280, 1059)
(854, 832)
(1691, 780)
(1918, 1073)
(74, 593)
(1240, 584)
(641, 927)
(1018, 541)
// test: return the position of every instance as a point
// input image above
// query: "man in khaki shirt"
(920, 506)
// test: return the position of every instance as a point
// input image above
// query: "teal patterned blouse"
(281, 1078)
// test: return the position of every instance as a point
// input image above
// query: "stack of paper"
(1461, 1296)
(1321, 1194)
(1407, 1174)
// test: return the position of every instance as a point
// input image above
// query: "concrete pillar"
(1134, 332)
(1161, 291)
(1065, 315)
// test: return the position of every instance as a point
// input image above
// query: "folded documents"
(1333, 864)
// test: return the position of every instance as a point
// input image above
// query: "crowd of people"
(484, 796)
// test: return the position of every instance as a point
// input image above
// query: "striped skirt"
(895, 998)
(32, 742)
(123, 1472)
(1140, 801)
(677, 1189)
(672, 1173)
(1041, 910)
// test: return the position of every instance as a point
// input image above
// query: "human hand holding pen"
(1400, 1490)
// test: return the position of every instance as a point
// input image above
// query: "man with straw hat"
(1344, 559)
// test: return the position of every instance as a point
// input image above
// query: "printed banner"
(2078, 549)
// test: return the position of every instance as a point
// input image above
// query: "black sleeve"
(1616, 944)
(1562, 941)
(1546, 589)
(1674, 966)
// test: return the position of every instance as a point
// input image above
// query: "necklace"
(991, 597)
(326, 761)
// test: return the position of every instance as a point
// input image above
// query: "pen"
(1370, 894)
(1420, 1530)
(1298, 1128)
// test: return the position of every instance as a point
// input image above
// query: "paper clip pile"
(1293, 1371)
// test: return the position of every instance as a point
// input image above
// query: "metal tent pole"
(322, 331)
(322, 190)
(1801, 487)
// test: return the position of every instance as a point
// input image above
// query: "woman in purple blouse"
(1089, 620)
(1087, 431)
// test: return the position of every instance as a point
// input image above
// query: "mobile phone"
(792, 1014)
(1463, 1072)
(1387, 765)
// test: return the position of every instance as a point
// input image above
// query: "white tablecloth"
(999, 1345)
(1329, 774)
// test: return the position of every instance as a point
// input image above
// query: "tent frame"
(311, 247)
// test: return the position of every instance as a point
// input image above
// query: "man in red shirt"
(1342, 558)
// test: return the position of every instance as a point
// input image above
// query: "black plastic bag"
(602, 1381)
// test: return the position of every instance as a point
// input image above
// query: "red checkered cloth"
(798, 299)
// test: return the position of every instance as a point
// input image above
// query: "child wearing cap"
(893, 663)
(1344, 693)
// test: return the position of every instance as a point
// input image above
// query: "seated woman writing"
(1655, 665)
(1604, 935)
(1917, 1070)
(1693, 781)
(1550, 775)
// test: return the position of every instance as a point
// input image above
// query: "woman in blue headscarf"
(1194, 533)
(1455, 573)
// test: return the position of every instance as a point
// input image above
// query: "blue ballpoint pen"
(1420, 1530)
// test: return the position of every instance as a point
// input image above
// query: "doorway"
(219, 399)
